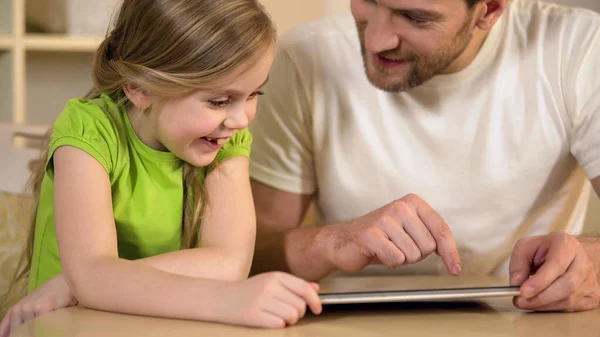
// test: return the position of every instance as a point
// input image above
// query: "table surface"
(495, 317)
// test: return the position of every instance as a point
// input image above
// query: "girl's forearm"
(122, 286)
(206, 263)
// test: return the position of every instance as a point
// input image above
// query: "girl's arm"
(228, 230)
(87, 242)
(95, 275)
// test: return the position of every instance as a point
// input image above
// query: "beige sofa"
(15, 211)
(15, 206)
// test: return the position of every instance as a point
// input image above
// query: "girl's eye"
(219, 104)
(256, 94)
(223, 103)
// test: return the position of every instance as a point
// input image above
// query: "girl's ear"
(139, 97)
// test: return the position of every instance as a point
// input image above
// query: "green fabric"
(147, 185)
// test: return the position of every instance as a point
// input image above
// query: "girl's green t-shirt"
(146, 185)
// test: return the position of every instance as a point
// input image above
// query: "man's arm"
(280, 243)
(403, 232)
(557, 272)
(591, 243)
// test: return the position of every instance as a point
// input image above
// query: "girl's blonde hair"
(170, 48)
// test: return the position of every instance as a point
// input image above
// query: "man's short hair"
(471, 3)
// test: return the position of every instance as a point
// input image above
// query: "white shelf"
(6, 42)
(62, 43)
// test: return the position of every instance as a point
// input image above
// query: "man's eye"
(415, 20)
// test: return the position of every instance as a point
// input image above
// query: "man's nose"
(379, 34)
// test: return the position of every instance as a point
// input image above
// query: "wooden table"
(492, 317)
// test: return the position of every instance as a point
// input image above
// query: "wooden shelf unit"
(40, 71)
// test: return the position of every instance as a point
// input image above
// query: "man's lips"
(387, 63)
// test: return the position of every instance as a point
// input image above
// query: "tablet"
(387, 289)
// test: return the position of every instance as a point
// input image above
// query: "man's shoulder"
(528, 15)
(323, 33)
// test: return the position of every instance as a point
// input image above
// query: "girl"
(131, 169)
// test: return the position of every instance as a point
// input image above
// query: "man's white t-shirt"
(497, 149)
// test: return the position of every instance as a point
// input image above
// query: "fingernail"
(457, 269)
(521, 302)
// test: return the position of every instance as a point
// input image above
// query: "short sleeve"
(86, 126)
(282, 153)
(583, 98)
(238, 146)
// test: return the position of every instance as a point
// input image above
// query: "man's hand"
(563, 277)
(402, 232)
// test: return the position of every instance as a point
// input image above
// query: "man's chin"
(388, 84)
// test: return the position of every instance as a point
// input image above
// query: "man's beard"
(421, 68)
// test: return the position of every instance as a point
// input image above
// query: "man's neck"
(469, 54)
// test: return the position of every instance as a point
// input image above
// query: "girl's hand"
(52, 295)
(271, 300)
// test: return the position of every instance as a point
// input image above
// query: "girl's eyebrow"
(233, 92)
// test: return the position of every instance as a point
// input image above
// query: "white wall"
(336, 7)
(287, 13)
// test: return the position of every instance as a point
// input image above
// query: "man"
(461, 127)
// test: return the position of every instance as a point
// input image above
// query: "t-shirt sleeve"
(282, 153)
(583, 94)
(238, 146)
(85, 126)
